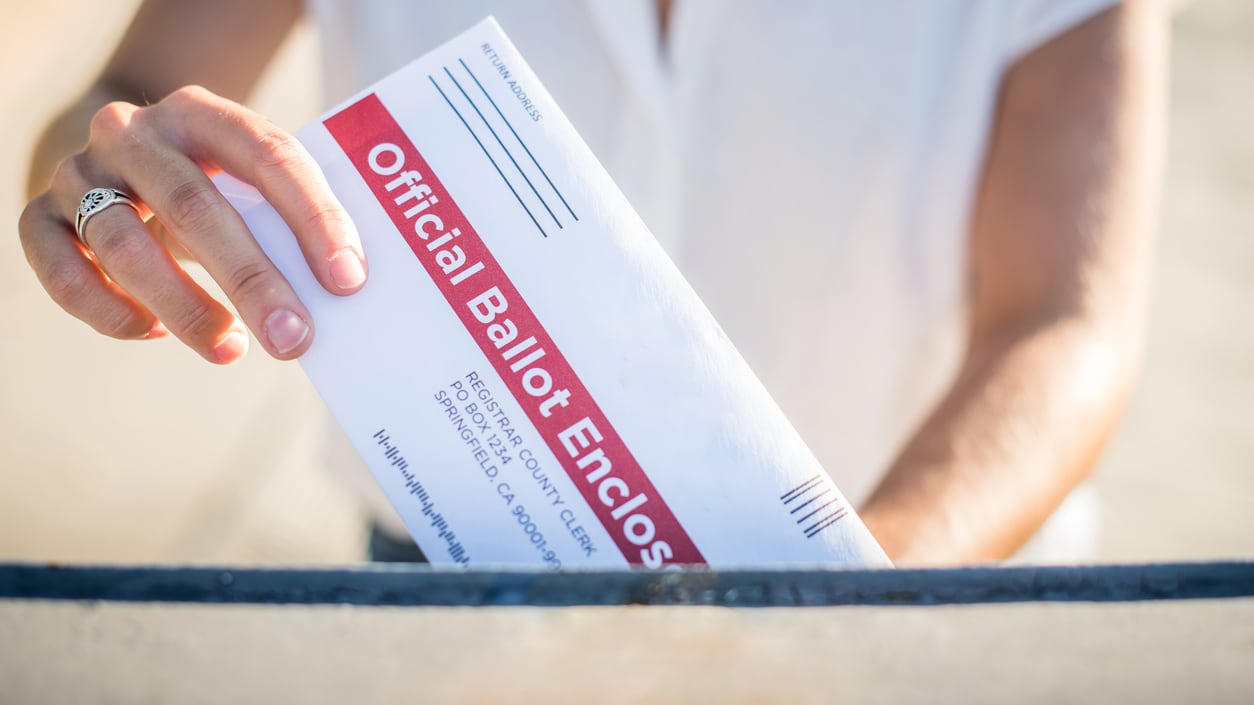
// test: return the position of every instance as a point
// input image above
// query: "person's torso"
(811, 167)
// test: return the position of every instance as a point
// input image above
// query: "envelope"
(529, 378)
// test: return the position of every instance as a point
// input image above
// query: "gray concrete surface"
(1162, 652)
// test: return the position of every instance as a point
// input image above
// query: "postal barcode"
(815, 504)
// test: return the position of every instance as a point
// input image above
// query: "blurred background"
(134, 452)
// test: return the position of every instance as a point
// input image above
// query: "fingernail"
(285, 330)
(346, 270)
(158, 330)
(232, 347)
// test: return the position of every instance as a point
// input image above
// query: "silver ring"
(95, 201)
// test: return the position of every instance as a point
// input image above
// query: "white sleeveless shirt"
(810, 166)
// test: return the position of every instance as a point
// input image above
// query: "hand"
(127, 282)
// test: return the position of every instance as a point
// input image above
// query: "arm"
(1059, 254)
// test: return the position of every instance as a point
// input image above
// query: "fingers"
(135, 261)
(224, 133)
(161, 155)
(211, 230)
(133, 258)
(73, 280)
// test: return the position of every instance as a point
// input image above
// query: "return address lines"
(501, 144)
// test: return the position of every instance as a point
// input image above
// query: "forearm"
(1023, 424)
(1059, 255)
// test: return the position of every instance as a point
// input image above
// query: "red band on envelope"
(582, 439)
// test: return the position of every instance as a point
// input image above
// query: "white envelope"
(528, 376)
